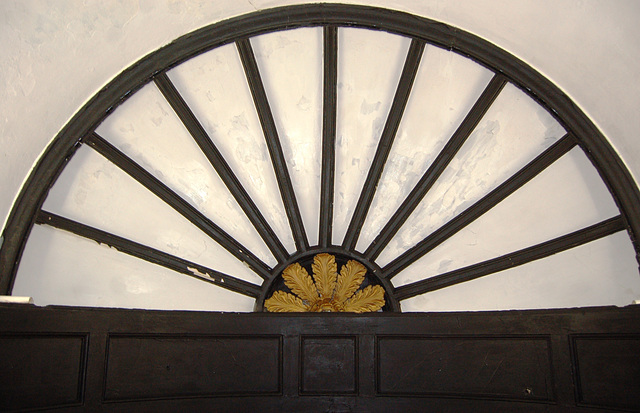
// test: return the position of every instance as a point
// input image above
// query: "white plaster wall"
(56, 55)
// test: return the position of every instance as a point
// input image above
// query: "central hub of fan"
(325, 282)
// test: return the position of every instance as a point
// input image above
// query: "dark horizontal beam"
(493, 198)
(221, 166)
(405, 84)
(329, 116)
(438, 166)
(514, 259)
(273, 143)
(176, 202)
(150, 254)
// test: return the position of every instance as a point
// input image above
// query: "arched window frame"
(421, 30)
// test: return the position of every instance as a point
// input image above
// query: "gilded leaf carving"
(300, 283)
(282, 302)
(369, 299)
(325, 272)
(351, 276)
(330, 292)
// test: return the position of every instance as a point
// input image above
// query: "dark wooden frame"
(91, 359)
(81, 130)
(80, 359)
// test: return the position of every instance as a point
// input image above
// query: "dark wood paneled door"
(80, 359)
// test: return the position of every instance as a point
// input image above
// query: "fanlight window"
(278, 137)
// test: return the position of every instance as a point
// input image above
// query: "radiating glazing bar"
(176, 202)
(514, 259)
(273, 143)
(437, 167)
(409, 71)
(149, 254)
(221, 166)
(329, 116)
(493, 198)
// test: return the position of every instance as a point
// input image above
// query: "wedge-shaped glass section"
(94, 192)
(290, 64)
(214, 86)
(566, 197)
(60, 268)
(602, 272)
(514, 131)
(147, 130)
(369, 67)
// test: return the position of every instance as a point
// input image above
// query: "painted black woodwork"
(159, 366)
(493, 198)
(328, 365)
(179, 204)
(81, 359)
(152, 255)
(477, 366)
(438, 166)
(331, 17)
(409, 72)
(604, 366)
(39, 369)
(89, 359)
(273, 143)
(514, 259)
(329, 116)
(221, 166)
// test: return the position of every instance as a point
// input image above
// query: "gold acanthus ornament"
(331, 292)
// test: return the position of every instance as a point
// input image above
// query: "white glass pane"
(602, 272)
(93, 191)
(215, 87)
(369, 68)
(290, 64)
(513, 132)
(446, 87)
(59, 268)
(147, 130)
(566, 197)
